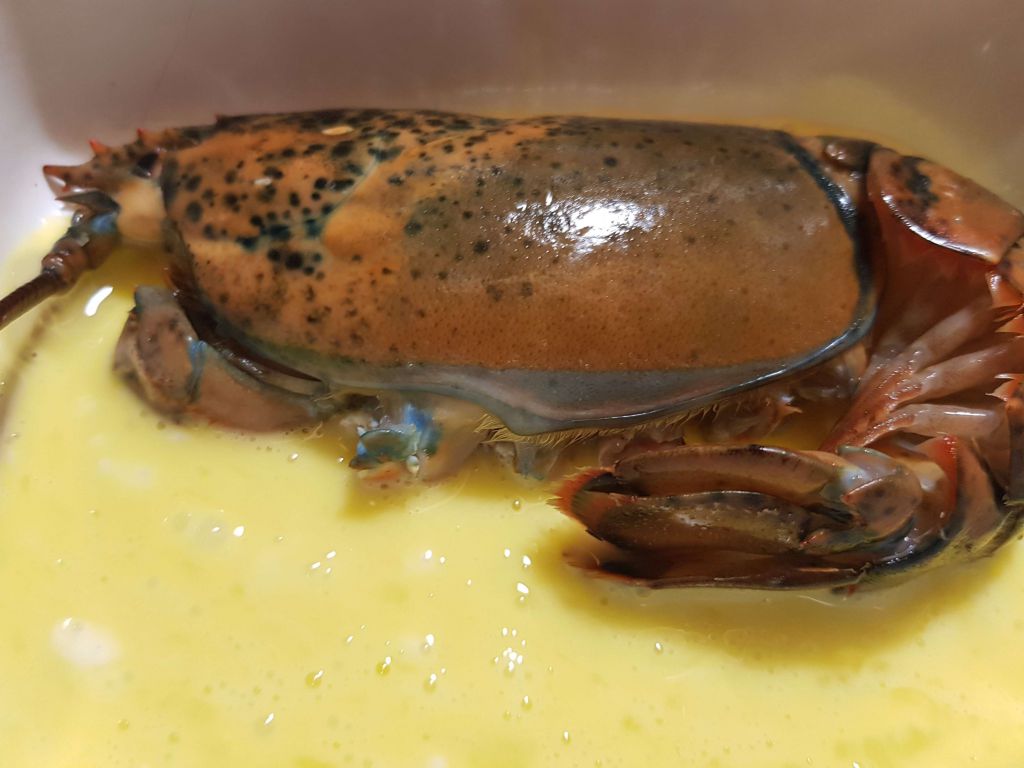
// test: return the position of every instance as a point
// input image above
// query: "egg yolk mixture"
(184, 595)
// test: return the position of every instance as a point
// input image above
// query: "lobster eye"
(145, 164)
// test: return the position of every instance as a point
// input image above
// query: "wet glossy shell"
(560, 271)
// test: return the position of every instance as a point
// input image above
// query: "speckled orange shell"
(390, 239)
(551, 244)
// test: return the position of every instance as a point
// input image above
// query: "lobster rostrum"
(664, 293)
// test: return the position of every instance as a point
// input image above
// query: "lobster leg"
(425, 436)
(902, 403)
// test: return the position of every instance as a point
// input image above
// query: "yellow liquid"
(187, 596)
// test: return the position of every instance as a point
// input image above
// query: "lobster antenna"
(82, 248)
(23, 298)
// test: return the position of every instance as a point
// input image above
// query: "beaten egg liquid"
(181, 595)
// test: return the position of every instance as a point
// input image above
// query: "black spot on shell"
(611, 162)
(413, 227)
(481, 246)
(294, 199)
(495, 292)
(382, 155)
(293, 261)
(917, 183)
(194, 211)
(526, 290)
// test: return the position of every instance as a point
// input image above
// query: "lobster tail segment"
(944, 207)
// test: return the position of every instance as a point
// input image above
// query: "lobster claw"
(161, 355)
(762, 517)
